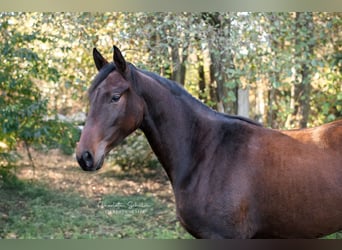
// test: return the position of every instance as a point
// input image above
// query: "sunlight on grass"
(30, 210)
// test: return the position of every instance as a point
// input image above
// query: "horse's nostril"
(87, 162)
(86, 156)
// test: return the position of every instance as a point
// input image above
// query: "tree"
(224, 83)
(304, 47)
(23, 108)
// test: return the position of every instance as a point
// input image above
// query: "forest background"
(281, 69)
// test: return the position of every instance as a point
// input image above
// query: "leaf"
(26, 53)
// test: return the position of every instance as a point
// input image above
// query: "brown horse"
(231, 177)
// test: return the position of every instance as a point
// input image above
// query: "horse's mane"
(176, 89)
(242, 118)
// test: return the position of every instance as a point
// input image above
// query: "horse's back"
(327, 136)
(331, 135)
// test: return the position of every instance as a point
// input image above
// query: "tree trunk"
(178, 65)
(201, 79)
(176, 62)
(304, 51)
(213, 85)
(182, 65)
(233, 105)
(178, 68)
(270, 99)
(222, 63)
(243, 102)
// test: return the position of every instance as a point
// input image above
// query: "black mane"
(178, 90)
(173, 86)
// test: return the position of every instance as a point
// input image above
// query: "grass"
(32, 210)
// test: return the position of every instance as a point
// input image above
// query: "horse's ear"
(99, 60)
(119, 60)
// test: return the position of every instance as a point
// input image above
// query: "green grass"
(31, 210)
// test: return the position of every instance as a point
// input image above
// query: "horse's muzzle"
(87, 163)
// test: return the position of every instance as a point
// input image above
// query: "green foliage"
(57, 134)
(23, 108)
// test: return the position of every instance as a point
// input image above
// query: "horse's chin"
(98, 157)
(99, 164)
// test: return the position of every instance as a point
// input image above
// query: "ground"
(56, 199)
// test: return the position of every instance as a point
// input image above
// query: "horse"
(231, 177)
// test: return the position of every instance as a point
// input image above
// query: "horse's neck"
(170, 125)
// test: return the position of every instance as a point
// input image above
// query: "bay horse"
(231, 177)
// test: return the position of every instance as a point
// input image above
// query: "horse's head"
(115, 111)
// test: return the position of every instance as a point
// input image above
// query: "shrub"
(134, 153)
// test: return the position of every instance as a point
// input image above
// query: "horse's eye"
(115, 98)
